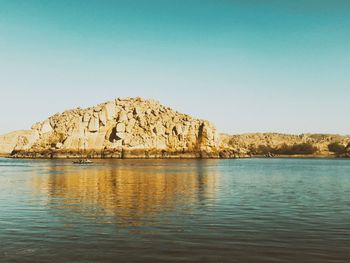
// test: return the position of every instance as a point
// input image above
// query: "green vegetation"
(301, 148)
(284, 149)
(337, 148)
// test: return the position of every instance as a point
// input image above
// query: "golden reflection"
(129, 190)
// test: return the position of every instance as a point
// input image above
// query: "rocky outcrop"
(123, 128)
(277, 144)
(139, 128)
(18, 140)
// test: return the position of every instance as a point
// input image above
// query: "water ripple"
(254, 210)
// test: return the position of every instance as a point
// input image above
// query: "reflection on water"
(257, 210)
(128, 193)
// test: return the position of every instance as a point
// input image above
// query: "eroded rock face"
(125, 127)
(18, 140)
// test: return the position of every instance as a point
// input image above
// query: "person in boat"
(83, 161)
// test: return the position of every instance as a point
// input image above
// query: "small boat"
(83, 161)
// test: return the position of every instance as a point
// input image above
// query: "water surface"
(252, 210)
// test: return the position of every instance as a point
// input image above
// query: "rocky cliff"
(123, 128)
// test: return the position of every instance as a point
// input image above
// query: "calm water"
(257, 210)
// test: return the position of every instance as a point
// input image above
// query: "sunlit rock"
(123, 124)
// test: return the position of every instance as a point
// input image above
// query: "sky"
(247, 66)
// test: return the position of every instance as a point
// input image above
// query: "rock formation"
(124, 128)
(18, 140)
(139, 128)
(277, 144)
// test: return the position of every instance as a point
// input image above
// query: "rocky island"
(140, 128)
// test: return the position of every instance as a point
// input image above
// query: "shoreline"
(174, 157)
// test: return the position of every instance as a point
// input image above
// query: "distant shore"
(160, 155)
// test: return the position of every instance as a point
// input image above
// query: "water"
(253, 210)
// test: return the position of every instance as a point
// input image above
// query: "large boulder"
(46, 127)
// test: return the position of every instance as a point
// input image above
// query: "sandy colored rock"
(94, 124)
(126, 123)
(159, 129)
(86, 117)
(137, 127)
(120, 135)
(46, 127)
(251, 144)
(109, 110)
(103, 117)
(19, 139)
(123, 116)
(120, 127)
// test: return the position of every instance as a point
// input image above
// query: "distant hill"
(277, 144)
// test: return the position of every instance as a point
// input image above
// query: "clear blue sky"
(248, 66)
